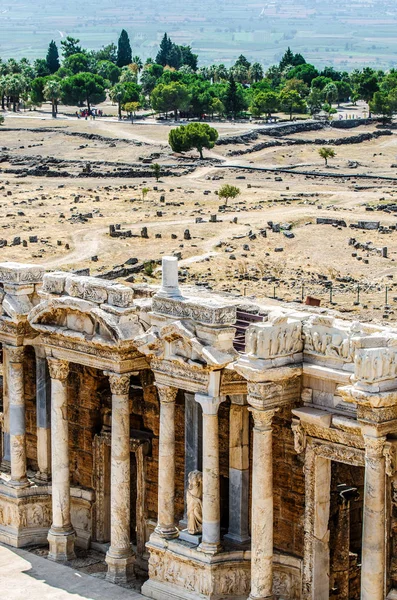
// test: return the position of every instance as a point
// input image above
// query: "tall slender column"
(166, 489)
(120, 558)
(373, 540)
(238, 471)
(43, 416)
(16, 398)
(262, 507)
(61, 536)
(6, 458)
(211, 540)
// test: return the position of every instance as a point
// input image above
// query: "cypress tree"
(163, 54)
(124, 53)
(52, 58)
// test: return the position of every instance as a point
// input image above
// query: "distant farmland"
(346, 34)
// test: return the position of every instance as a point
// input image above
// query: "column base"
(45, 477)
(168, 533)
(61, 545)
(120, 569)
(18, 484)
(209, 548)
(237, 539)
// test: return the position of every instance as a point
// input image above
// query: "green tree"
(255, 72)
(194, 135)
(136, 60)
(124, 53)
(70, 46)
(234, 100)
(228, 192)
(52, 91)
(330, 93)
(264, 102)
(217, 107)
(156, 168)
(381, 105)
(40, 68)
(123, 93)
(108, 70)
(344, 91)
(291, 102)
(164, 51)
(188, 58)
(16, 85)
(84, 87)
(77, 63)
(305, 72)
(52, 58)
(108, 52)
(327, 153)
(174, 96)
(37, 90)
(315, 101)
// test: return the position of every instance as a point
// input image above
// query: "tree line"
(173, 83)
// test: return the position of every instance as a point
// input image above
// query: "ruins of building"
(113, 396)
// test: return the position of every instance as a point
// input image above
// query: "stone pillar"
(316, 566)
(341, 546)
(238, 471)
(193, 442)
(43, 416)
(120, 558)
(61, 536)
(262, 506)
(6, 458)
(16, 399)
(166, 489)
(211, 540)
(373, 540)
(169, 284)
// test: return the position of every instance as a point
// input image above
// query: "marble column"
(262, 506)
(238, 470)
(120, 558)
(373, 539)
(43, 416)
(16, 398)
(211, 540)
(166, 488)
(6, 458)
(193, 443)
(61, 535)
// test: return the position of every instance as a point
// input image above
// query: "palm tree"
(138, 62)
(16, 84)
(52, 91)
(255, 72)
(327, 153)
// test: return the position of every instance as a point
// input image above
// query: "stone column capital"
(59, 369)
(15, 354)
(209, 404)
(374, 446)
(263, 418)
(167, 393)
(119, 383)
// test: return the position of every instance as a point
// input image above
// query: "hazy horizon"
(346, 35)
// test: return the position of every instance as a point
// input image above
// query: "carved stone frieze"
(372, 365)
(18, 273)
(338, 453)
(202, 310)
(280, 336)
(327, 337)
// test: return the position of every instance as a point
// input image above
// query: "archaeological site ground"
(199, 398)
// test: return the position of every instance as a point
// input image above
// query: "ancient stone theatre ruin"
(225, 449)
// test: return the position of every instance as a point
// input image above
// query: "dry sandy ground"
(35, 205)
